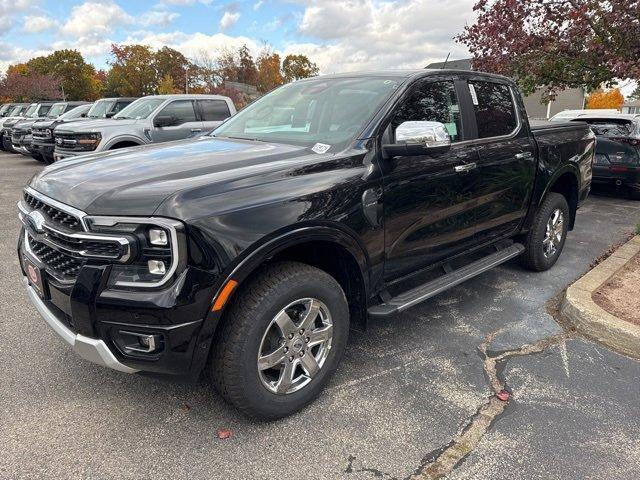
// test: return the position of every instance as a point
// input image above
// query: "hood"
(46, 123)
(11, 121)
(94, 125)
(135, 181)
(25, 124)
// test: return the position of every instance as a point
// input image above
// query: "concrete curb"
(591, 320)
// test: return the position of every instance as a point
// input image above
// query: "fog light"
(156, 267)
(158, 237)
(143, 342)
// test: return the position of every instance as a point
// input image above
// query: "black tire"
(634, 194)
(38, 158)
(534, 257)
(238, 340)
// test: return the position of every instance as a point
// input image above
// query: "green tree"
(295, 67)
(75, 75)
(133, 72)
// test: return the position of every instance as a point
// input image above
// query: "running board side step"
(446, 281)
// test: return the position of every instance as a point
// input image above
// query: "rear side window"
(494, 109)
(182, 110)
(213, 110)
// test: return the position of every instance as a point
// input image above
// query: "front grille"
(40, 134)
(111, 249)
(61, 265)
(56, 215)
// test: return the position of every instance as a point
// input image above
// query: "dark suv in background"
(42, 143)
(21, 135)
(35, 110)
(617, 161)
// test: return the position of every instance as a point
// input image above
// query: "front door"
(506, 164)
(429, 203)
(185, 122)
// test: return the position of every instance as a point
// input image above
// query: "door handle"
(464, 168)
(523, 155)
(196, 130)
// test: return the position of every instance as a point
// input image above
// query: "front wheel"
(281, 340)
(545, 240)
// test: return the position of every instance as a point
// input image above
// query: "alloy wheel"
(295, 346)
(553, 233)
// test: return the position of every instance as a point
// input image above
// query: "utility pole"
(64, 97)
(186, 79)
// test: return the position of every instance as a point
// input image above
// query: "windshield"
(100, 109)
(16, 111)
(31, 110)
(56, 110)
(141, 108)
(4, 109)
(320, 113)
(75, 112)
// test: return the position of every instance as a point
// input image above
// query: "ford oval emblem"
(36, 221)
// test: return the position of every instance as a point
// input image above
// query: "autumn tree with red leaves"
(556, 43)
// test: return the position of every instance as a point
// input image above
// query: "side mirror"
(419, 138)
(83, 115)
(109, 114)
(164, 121)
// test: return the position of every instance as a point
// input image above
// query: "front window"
(100, 109)
(4, 109)
(326, 111)
(57, 109)
(141, 108)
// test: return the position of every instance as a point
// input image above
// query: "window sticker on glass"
(474, 96)
(320, 147)
(452, 129)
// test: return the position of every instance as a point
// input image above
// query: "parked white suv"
(152, 119)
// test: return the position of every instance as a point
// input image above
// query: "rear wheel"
(545, 240)
(281, 340)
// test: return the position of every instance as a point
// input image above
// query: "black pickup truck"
(250, 252)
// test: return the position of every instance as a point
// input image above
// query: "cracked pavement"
(406, 390)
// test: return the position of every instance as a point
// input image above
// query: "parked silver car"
(152, 119)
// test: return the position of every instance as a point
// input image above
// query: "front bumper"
(90, 317)
(91, 349)
(61, 153)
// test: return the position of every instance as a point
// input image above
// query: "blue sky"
(339, 35)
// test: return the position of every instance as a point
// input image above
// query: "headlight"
(88, 141)
(159, 253)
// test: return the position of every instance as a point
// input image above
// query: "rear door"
(428, 202)
(213, 112)
(506, 164)
(186, 123)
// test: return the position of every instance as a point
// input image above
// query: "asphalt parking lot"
(406, 388)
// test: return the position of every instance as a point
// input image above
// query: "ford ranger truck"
(15, 114)
(249, 253)
(152, 119)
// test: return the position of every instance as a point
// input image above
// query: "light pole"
(186, 79)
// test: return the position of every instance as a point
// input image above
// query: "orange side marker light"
(224, 295)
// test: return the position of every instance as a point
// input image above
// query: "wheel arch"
(566, 183)
(123, 142)
(329, 248)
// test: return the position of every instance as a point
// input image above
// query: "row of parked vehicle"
(50, 131)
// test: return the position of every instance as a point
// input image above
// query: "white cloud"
(194, 45)
(157, 17)
(258, 4)
(229, 19)
(369, 34)
(8, 8)
(38, 24)
(186, 2)
(95, 19)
